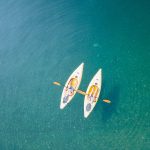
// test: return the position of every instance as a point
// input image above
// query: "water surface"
(44, 41)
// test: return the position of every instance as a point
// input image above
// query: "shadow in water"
(109, 109)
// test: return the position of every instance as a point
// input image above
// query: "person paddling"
(93, 92)
(70, 88)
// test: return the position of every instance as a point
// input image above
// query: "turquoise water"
(44, 41)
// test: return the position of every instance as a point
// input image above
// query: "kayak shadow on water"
(109, 109)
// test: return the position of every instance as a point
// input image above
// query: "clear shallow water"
(44, 41)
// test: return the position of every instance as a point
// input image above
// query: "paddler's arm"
(96, 99)
(69, 84)
(76, 83)
(97, 90)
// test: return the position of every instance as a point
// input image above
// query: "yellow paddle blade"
(57, 83)
(81, 92)
(107, 101)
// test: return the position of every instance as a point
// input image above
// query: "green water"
(44, 41)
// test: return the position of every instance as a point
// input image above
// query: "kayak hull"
(88, 104)
(78, 72)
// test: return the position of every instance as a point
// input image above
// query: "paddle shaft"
(78, 91)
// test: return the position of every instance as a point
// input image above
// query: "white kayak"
(89, 101)
(69, 91)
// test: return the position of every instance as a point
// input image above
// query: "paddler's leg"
(71, 91)
(96, 90)
(95, 100)
(91, 98)
(89, 105)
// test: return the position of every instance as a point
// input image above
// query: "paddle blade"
(107, 101)
(57, 83)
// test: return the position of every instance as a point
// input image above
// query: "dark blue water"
(44, 41)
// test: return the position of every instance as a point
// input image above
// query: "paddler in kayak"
(93, 92)
(92, 95)
(70, 88)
